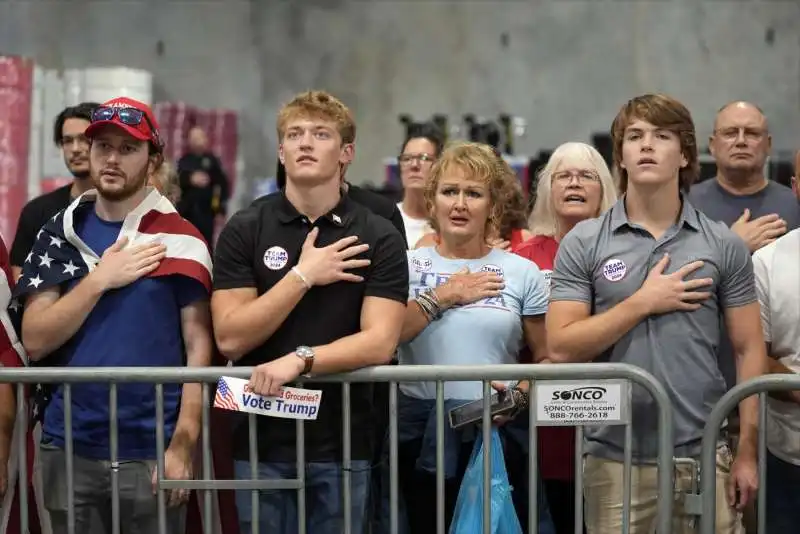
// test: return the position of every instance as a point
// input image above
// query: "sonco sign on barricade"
(582, 402)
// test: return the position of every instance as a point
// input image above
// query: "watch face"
(305, 352)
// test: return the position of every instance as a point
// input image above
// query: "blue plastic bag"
(468, 517)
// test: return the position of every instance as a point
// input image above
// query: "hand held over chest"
(465, 287)
(664, 293)
(325, 265)
(119, 267)
(759, 232)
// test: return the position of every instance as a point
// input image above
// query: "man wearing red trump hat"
(117, 279)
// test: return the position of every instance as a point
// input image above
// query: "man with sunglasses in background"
(118, 279)
(69, 135)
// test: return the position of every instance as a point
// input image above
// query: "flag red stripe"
(184, 267)
(156, 222)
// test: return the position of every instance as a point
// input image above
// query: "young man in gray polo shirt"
(647, 284)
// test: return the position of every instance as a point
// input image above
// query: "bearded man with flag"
(118, 279)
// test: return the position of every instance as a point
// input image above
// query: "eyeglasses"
(129, 116)
(732, 134)
(583, 177)
(406, 159)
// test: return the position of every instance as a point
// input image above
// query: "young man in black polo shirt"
(68, 135)
(308, 281)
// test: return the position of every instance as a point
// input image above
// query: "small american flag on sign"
(224, 397)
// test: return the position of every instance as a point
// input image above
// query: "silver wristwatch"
(307, 355)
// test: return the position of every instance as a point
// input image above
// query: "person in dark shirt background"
(68, 134)
(204, 185)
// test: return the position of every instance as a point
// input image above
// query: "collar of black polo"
(287, 213)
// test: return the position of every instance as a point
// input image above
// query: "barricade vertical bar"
(301, 476)
(578, 480)
(206, 444)
(254, 494)
(393, 489)
(487, 458)
(666, 447)
(439, 457)
(627, 469)
(114, 446)
(762, 463)
(533, 463)
(69, 451)
(162, 507)
(346, 460)
(22, 445)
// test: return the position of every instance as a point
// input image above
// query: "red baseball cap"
(139, 122)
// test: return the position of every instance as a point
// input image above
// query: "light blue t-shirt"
(485, 332)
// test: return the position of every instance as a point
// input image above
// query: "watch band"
(307, 355)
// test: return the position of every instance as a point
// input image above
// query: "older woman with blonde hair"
(574, 185)
(469, 303)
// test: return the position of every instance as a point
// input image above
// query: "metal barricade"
(708, 488)
(574, 375)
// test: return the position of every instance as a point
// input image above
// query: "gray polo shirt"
(604, 261)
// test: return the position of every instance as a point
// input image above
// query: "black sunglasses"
(129, 116)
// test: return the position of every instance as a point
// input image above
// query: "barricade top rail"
(394, 373)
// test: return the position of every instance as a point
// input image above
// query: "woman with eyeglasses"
(420, 150)
(470, 304)
(574, 185)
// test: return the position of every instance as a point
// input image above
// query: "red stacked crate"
(175, 120)
(16, 94)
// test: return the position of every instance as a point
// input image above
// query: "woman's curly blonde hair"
(482, 163)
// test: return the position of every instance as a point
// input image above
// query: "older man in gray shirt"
(646, 284)
(741, 196)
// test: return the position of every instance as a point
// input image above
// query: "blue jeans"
(783, 501)
(324, 515)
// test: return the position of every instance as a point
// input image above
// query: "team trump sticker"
(276, 258)
(292, 403)
(614, 270)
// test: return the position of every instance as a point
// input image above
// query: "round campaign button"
(276, 258)
(614, 270)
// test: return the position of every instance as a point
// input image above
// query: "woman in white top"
(420, 150)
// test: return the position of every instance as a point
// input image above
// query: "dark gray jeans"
(138, 506)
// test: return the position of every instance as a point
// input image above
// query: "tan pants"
(603, 490)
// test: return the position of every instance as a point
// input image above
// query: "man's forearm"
(44, 331)
(751, 365)
(187, 429)
(245, 328)
(584, 340)
(196, 331)
(364, 349)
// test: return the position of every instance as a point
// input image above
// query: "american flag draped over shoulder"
(59, 255)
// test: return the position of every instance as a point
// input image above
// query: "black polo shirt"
(257, 248)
